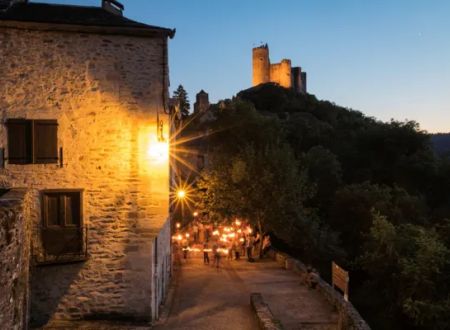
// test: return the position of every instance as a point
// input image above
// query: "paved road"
(207, 298)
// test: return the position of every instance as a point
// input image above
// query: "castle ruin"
(281, 73)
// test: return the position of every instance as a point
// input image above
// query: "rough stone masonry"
(105, 88)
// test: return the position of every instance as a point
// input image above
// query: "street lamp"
(181, 194)
(195, 214)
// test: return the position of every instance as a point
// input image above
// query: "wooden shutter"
(19, 141)
(45, 141)
(62, 233)
(72, 209)
(51, 210)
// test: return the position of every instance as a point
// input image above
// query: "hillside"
(379, 189)
(441, 143)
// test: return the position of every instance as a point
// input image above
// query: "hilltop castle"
(281, 73)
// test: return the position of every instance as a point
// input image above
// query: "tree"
(266, 187)
(351, 211)
(182, 96)
(407, 267)
(324, 170)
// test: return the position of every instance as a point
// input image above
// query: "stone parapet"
(349, 317)
(263, 313)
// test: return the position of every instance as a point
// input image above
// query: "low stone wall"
(349, 318)
(14, 260)
(265, 317)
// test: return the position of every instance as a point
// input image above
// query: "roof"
(75, 15)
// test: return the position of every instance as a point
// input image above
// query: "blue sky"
(386, 58)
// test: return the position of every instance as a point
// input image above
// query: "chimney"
(5, 4)
(113, 6)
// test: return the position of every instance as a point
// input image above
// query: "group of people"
(233, 242)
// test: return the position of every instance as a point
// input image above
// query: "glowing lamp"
(181, 194)
(178, 225)
(195, 214)
(158, 151)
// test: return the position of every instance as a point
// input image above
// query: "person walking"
(244, 245)
(206, 253)
(266, 244)
(185, 245)
(217, 255)
(230, 250)
(237, 248)
(249, 246)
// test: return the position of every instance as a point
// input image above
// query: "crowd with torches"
(234, 239)
(227, 238)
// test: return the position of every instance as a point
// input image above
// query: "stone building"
(201, 102)
(281, 73)
(84, 129)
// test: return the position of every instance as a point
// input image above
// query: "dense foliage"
(333, 184)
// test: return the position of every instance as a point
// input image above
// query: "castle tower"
(280, 73)
(285, 74)
(261, 65)
(298, 80)
(201, 102)
(304, 89)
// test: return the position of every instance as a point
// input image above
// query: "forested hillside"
(330, 183)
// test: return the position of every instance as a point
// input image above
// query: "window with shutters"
(32, 141)
(62, 224)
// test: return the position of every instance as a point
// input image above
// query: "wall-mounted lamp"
(159, 148)
(160, 129)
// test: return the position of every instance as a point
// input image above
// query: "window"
(62, 225)
(32, 141)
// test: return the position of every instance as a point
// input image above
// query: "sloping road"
(209, 298)
(219, 299)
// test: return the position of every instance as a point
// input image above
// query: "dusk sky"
(388, 59)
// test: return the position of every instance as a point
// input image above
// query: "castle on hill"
(281, 73)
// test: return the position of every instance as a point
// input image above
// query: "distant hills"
(441, 143)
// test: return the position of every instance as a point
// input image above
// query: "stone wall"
(349, 318)
(105, 92)
(14, 259)
(280, 73)
(263, 313)
(162, 268)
